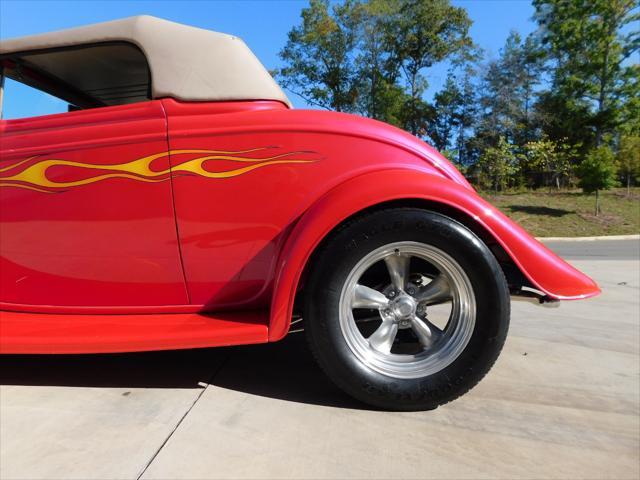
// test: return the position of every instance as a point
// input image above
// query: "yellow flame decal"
(34, 177)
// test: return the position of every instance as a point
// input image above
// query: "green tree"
(370, 56)
(509, 90)
(320, 56)
(423, 33)
(588, 43)
(380, 96)
(454, 114)
(468, 115)
(497, 164)
(629, 159)
(548, 159)
(446, 115)
(598, 172)
(630, 111)
(530, 58)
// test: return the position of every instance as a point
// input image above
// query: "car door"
(86, 211)
(236, 190)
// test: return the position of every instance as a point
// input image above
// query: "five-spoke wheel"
(419, 276)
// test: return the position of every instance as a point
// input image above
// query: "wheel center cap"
(404, 307)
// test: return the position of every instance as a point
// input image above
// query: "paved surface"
(597, 249)
(562, 402)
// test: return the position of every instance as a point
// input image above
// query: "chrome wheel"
(388, 303)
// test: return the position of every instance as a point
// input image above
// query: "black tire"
(336, 259)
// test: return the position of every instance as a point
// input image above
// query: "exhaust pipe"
(535, 297)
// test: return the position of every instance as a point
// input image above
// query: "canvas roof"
(185, 63)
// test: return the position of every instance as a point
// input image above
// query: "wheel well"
(515, 278)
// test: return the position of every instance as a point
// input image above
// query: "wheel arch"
(523, 259)
(511, 270)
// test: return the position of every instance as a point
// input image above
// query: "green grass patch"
(571, 213)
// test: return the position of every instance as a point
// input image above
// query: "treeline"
(558, 108)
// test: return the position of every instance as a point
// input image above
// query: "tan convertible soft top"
(186, 63)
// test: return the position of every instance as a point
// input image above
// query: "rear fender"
(544, 269)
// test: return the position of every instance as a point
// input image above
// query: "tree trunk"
(597, 202)
(372, 93)
(603, 84)
(628, 184)
(413, 123)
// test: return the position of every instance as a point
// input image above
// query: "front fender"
(543, 268)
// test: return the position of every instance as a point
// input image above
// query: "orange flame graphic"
(34, 176)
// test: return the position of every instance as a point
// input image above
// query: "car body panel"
(99, 333)
(77, 233)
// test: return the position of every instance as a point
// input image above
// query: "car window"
(21, 101)
(77, 78)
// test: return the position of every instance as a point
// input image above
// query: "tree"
(498, 163)
(549, 159)
(380, 96)
(320, 56)
(530, 59)
(588, 47)
(566, 120)
(425, 32)
(509, 89)
(630, 111)
(446, 115)
(453, 115)
(598, 172)
(370, 56)
(629, 159)
(467, 116)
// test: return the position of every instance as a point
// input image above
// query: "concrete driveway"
(562, 402)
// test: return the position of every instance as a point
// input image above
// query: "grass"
(571, 213)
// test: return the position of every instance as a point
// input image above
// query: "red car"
(182, 203)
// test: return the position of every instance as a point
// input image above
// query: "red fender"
(543, 268)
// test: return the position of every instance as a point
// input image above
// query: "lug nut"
(392, 294)
(411, 291)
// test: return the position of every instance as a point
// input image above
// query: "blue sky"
(262, 24)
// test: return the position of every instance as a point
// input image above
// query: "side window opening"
(75, 78)
(1, 87)
(22, 101)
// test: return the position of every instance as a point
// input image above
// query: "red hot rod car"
(182, 203)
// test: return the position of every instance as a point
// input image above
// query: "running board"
(27, 333)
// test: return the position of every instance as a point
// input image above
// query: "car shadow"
(283, 370)
(540, 210)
